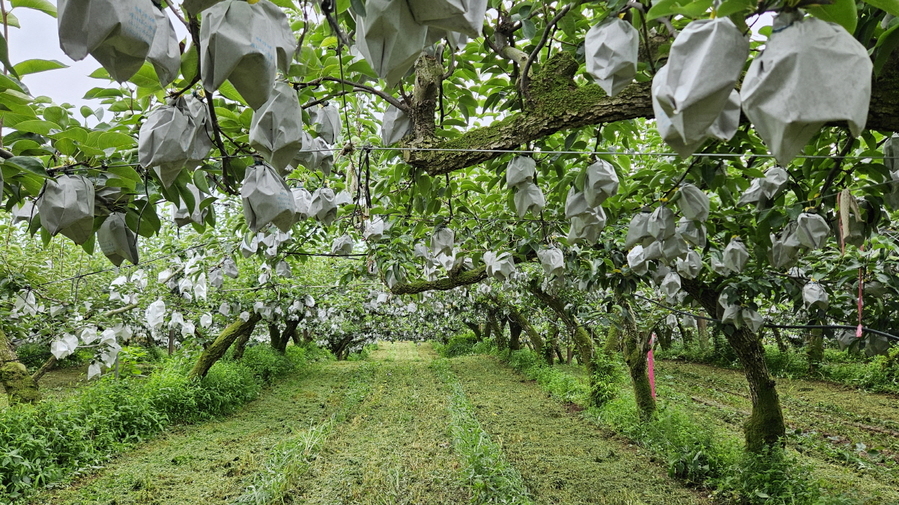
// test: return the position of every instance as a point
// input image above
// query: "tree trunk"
(217, 349)
(582, 340)
(240, 345)
(515, 316)
(497, 330)
(765, 426)
(635, 345)
(46, 367)
(514, 335)
(476, 329)
(19, 386)
(279, 342)
(814, 343)
(781, 345)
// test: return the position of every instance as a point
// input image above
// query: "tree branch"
(565, 106)
(463, 279)
(525, 79)
(357, 86)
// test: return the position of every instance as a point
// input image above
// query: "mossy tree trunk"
(476, 329)
(582, 341)
(497, 330)
(765, 426)
(635, 344)
(814, 345)
(17, 383)
(516, 318)
(228, 336)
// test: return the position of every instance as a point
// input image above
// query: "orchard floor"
(392, 445)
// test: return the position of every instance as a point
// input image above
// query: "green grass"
(486, 471)
(56, 439)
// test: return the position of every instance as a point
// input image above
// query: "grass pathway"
(562, 458)
(395, 449)
(403, 427)
(211, 462)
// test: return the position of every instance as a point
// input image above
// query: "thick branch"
(563, 107)
(463, 279)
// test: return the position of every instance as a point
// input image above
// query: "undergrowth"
(55, 439)
(487, 473)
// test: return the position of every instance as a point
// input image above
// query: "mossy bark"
(280, 339)
(516, 317)
(17, 383)
(476, 329)
(497, 331)
(765, 426)
(559, 104)
(635, 344)
(226, 338)
(514, 336)
(582, 341)
(454, 280)
(814, 349)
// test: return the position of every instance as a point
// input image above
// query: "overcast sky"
(38, 39)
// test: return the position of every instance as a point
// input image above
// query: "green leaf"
(115, 140)
(26, 164)
(34, 66)
(287, 4)
(7, 82)
(41, 5)
(4, 56)
(528, 29)
(358, 7)
(889, 6)
(841, 12)
(37, 126)
(125, 172)
(886, 44)
(730, 7)
(661, 9)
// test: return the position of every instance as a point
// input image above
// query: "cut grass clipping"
(491, 478)
(291, 459)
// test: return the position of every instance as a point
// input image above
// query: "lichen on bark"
(446, 283)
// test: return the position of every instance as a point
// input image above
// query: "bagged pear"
(611, 50)
(66, 205)
(811, 72)
(266, 199)
(389, 38)
(276, 130)
(246, 44)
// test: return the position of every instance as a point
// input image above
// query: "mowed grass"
(395, 449)
(211, 462)
(850, 437)
(562, 457)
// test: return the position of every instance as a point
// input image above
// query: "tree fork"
(227, 337)
(582, 340)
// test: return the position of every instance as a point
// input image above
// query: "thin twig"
(357, 86)
(525, 79)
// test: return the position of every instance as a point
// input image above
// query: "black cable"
(781, 326)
